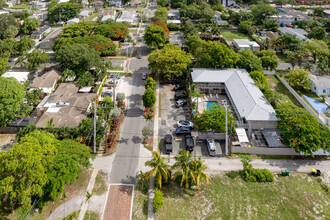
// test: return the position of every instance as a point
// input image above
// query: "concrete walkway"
(90, 187)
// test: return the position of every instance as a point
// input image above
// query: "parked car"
(178, 87)
(182, 130)
(211, 147)
(115, 76)
(106, 93)
(144, 76)
(180, 102)
(189, 143)
(139, 55)
(168, 143)
(110, 82)
(174, 81)
(180, 95)
(185, 123)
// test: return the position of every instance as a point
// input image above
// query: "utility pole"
(224, 103)
(114, 91)
(95, 117)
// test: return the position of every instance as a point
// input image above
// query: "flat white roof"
(249, 101)
(241, 134)
(19, 76)
(245, 43)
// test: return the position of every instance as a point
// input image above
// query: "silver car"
(185, 123)
(211, 147)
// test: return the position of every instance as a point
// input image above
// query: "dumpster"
(285, 172)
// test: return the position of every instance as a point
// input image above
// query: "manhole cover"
(163, 122)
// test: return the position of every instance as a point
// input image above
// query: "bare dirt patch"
(6, 141)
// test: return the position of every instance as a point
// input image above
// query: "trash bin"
(285, 172)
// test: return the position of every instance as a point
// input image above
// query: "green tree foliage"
(150, 83)
(169, 62)
(271, 25)
(298, 79)
(149, 98)
(318, 11)
(201, 11)
(86, 128)
(287, 41)
(4, 64)
(155, 36)
(198, 167)
(25, 44)
(29, 25)
(214, 119)
(67, 73)
(79, 29)
(8, 46)
(120, 97)
(161, 14)
(19, 181)
(247, 60)
(11, 99)
(162, 3)
(8, 26)
(193, 43)
(107, 105)
(158, 199)
(215, 55)
(178, 3)
(21, 15)
(33, 96)
(269, 59)
(260, 80)
(77, 56)
(317, 32)
(317, 48)
(184, 175)
(247, 27)
(188, 27)
(35, 58)
(65, 10)
(303, 24)
(261, 11)
(86, 79)
(99, 43)
(160, 169)
(301, 130)
(251, 174)
(114, 30)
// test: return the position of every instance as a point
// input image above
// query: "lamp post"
(224, 103)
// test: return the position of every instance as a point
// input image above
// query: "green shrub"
(158, 200)
(251, 174)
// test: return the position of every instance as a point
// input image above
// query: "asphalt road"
(127, 155)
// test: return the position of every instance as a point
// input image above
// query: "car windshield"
(184, 122)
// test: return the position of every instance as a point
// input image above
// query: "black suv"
(178, 87)
(174, 81)
(182, 130)
(168, 143)
(189, 143)
(180, 95)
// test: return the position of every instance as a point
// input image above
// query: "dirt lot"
(6, 141)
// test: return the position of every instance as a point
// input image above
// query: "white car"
(211, 147)
(185, 123)
(144, 76)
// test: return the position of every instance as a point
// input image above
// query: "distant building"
(48, 42)
(326, 13)
(98, 4)
(63, 1)
(177, 39)
(84, 14)
(108, 14)
(19, 76)
(116, 3)
(73, 20)
(242, 44)
(288, 16)
(37, 4)
(227, 3)
(177, 22)
(12, 3)
(65, 106)
(299, 33)
(128, 16)
(218, 21)
(47, 81)
(3, 12)
(173, 15)
(40, 15)
(39, 33)
(320, 85)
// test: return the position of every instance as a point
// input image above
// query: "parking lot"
(170, 115)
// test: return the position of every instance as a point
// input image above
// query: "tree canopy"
(35, 58)
(63, 11)
(155, 35)
(11, 99)
(269, 59)
(298, 79)
(99, 43)
(161, 14)
(261, 11)
(169, 62)
(81, 29)
(318, 33)
(113, 30)
(149, 98)
(247, 60)
(29, 25)
(8, 26)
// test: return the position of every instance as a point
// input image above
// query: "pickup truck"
(168, 143)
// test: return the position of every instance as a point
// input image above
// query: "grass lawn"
(118, 68)
(22, 6)
(100, 186)
(231, 35)
(276, 86)
(93, 16)
(298, 196)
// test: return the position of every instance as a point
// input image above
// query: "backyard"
(231, 35)
(21, 6)
(298, 196)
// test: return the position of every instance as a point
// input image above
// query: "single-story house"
(287, 16)
(299, 33)
(129, 16)
(320, 85)
(19, 76)
(326, 13)
(173, 15)
(252, 109)
(177, 22)
(177, 39)
(73, 20)
(108, 14)
(41, 15)
(98, 4)
(3, 12)
(48, 42)
(116, 3)
(39, 33)
(47, 81)
(65, 106)
(242, 44)
(84, 14)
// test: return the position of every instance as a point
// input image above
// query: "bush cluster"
(251, 174)
(158, 200)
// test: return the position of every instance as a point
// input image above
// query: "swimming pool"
(208, 105)
(318, 106)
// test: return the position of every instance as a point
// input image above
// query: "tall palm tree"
(182, 162)
(198, 167)
(160, 169)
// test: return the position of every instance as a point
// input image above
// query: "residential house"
(40, 15)
(326, 13)
(108, 14)
(16, 125)
(250, 106)
(3, 12)
(286, 16)
(177, 39)
(39, 33)
(73, 20)
(299, 33)
(227, 3)
(128, 16)
(320, 85)
(65, 106)
(37, 4)
(12, 3)
(19, 76)
(47, 81)
(116, 3)
(84, 14)
(48, 42)
(242, 44)
(173, 15)
(98, 4)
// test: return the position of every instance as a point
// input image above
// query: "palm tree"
(198, 167)
(186, 174)
(160, 169)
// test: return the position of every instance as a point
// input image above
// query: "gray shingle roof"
(250, 102)
(320, 81)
